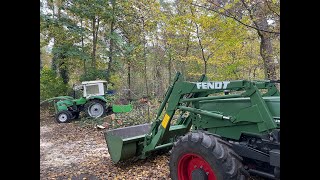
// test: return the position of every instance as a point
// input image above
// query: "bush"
(51, 85)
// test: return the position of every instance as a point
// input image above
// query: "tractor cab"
(92, 88)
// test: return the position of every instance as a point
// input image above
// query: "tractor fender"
(61, 106)
(97, 97)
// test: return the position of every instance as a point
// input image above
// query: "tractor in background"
(92, 102)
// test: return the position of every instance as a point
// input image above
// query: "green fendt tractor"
(225, 130)
(92, 102)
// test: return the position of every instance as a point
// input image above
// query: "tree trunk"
(145, 59)
(58, 66)
(63, 70)
(159, 89)
(183, 67)
(145, 65)
(54, 63)
(202, 49)
(205, 67)
(64, 74)
(145, 76)
(156, 67)
(40, 63)
(129, 80)
(145, 69)
(82, 46)
(259, 19)
(254, 72)
(110, 52)
(266, 53)
(169, 66)
(266, 50)
(111, 43)
(95, 30)
(187, 48)
(55, 57)
(93, 60)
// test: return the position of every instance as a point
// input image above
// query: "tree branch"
(200, 44)
(236, 19)
(251, 17)
(209, 56)
(199, 39)
(271, 9)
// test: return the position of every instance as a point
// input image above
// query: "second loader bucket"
(122, 142)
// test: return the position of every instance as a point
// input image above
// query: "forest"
(139, 45)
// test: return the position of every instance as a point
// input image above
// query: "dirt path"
(68, 151)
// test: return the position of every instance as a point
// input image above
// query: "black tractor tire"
(63, 117)
(109, 110)
(101, 106)
(75, 115)
(213, 153)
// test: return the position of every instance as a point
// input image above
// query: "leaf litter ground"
(74, 151)
(77, 151)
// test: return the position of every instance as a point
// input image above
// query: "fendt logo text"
(212, 85)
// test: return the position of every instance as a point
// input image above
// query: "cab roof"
(93, 82)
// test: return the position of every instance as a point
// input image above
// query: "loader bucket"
(123, 142)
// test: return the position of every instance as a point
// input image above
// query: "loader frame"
(245, 114)
(162, 133)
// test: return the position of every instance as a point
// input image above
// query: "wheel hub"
(193, 166)
(62, 117)
(199, 174)
(96, 110)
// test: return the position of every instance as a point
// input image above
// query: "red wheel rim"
(190, 162)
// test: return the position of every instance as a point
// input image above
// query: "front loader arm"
(174, 93)
(160, 131)
(270, 86)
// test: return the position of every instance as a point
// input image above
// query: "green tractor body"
(225, 130)
(92, 102)
(63, 105)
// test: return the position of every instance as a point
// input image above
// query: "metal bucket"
(123, 142)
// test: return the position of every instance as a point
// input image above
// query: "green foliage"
(51, 85)
(93, 74)
(115, 82)
(159, 35)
